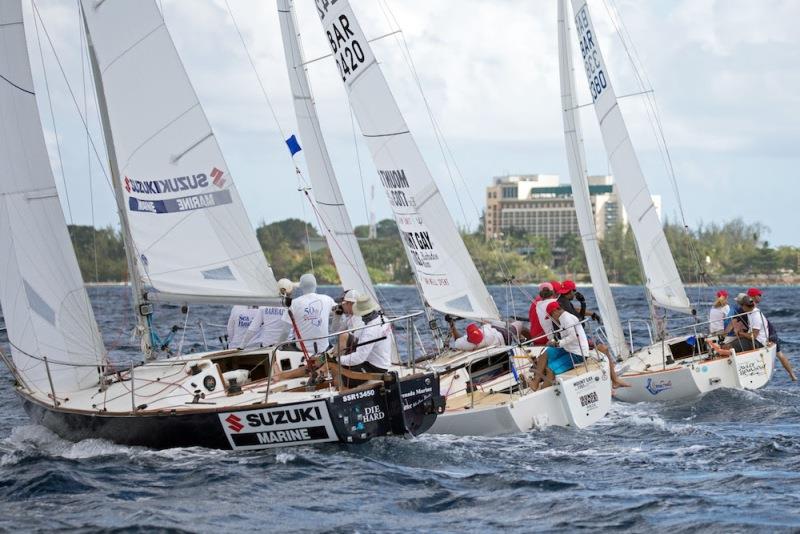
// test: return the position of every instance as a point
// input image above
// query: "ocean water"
(727, 462)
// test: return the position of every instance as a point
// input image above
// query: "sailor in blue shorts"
(561, 355)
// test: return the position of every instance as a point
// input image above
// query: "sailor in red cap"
(541, 311)
(538, 334)
(719, 311)
(476, 337)
(567, 294)
(755, 294)
(561, 354)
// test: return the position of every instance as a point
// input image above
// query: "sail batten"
(46, 309)
(445, 273)
(184, 213)
(661, 274)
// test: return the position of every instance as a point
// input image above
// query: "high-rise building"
(540, 205)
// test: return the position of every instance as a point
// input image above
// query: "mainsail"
(446, 275)
(190, 233)
(576, 159)
(662, 278)
(334, 219)
(45, 306)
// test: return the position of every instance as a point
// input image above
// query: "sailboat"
(446, 277)
(187, 240)
(673, 366)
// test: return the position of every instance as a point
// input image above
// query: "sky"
(724, 73)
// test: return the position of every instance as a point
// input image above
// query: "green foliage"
(731, 248)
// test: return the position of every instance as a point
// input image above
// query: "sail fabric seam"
(176, 159)
(131, 47)
(391, 134)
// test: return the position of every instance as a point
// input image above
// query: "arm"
(569, 335)
(362, 352)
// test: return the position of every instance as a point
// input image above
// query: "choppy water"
(727, 462)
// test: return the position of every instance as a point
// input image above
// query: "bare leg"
(539, 374)
(615, 381)
(786, 365)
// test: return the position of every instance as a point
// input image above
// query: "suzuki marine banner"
(278, 427)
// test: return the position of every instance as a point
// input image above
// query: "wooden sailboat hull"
(409, 405)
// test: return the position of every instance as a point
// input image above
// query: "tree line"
(733, 248)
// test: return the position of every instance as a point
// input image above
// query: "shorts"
(560, 361)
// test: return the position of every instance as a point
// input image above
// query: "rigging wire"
(656, 124)
(447, 153)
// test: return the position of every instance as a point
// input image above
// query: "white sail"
(576, 158)
(334, 219)
(45, 306)
(661, 274)
(191, 235)
(448, 279)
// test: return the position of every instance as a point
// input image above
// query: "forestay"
(576, 159)
(45, 306)
(191, 236)
(335, 221)
(445, 272)
(662, 278)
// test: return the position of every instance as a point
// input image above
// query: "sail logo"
(657, 386)
(234, 423)
(170, 185)
(216, 176)
(181, 204)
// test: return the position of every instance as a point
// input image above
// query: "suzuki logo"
(217, 178)
(127, 184)
(234, 423)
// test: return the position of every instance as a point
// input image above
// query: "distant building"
(540, 205)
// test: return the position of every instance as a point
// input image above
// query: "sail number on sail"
(591, 60)
(346, 49)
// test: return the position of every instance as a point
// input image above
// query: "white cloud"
(725, 75)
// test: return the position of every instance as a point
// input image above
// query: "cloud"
(725, 75)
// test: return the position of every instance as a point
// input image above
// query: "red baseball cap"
(754, 292)
(553, 306)
(567, 286)
(722, 293)
(474, 334)
(556, 285)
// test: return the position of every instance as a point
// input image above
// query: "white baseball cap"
(351, 295)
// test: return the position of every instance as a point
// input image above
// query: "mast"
(141, 308)
(576, 158)
(329, 204)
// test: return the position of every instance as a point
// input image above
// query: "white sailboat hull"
(693, 377)
(579, 398)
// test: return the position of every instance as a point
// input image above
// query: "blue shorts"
(560, 361)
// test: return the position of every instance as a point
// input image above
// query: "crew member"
(756, 295)
(476, 337)
(537, 331)
(309, 315)
(719, 311)
(238, 323)
(345, 319)
(567, 294)
(373, 353)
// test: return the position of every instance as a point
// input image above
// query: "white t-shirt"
(312, 313)
(378, 353)
(238, 323)
(717, 317)
(573, 338)
(758, 322)
(268, 327)
(491, 338)
(343, 322)
(544, 319)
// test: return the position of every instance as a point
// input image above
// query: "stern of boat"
(586, 397)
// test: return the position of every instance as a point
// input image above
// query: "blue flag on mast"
(294, 146)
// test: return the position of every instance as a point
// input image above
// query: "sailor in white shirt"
(562, 355)
(477, 337)
(374, 351)
(268, 328)
(344, 319)
(544, 317)
(719, 311)
(311, 313)
(238, 323)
